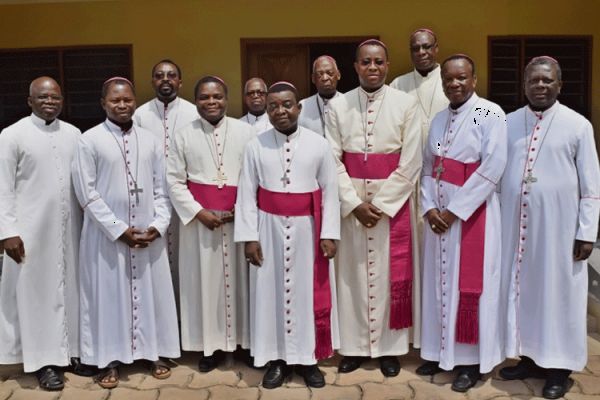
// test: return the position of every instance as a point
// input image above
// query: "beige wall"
(203, 36)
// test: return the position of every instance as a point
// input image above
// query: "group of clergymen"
(453, 226)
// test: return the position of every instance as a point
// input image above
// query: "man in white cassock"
(202, 175)
(463, 317)
(163, 116)
(550, 197)
(325, 77)
(127, 303)
(375, 135)
(255, 98)
(40, 222)
(287, 213)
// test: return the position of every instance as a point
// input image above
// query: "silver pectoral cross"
(220, 179)
(529, 179)
(438, 172)
(136, 190)
(285, 179)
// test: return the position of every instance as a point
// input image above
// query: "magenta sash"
(211, 197)
(472, 247)
(380, 166)
(299, 204)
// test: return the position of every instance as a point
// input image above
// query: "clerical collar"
(546, 112)
(466, 106)
(252, 119)
(205, 123)
(41, 123)
(373, 95)
(433, 74)
(170, 104)
(116, 128)
(324, 100)
(290, 137)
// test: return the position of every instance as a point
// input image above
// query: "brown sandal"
(108, 378)
(160, 369)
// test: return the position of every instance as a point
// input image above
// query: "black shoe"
(275, 375)
(81, 369)
(243, 355)
(467, 378)
(557, 383)
(208, 363)
(50, 378)
(429, 368)
(349, 364)
(526, 368)
(313, 377)
(389, 365)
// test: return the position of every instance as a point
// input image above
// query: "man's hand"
(328, 248)
(209, 219)
(149, 235)
(436, 223)
(449, 217)
(582, 250)
(253, 253)
(14, 248)
(131, 237)
(228, 217)
(367, 214)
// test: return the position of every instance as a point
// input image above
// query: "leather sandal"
(108, 378)
(159, 369)
(50, 378)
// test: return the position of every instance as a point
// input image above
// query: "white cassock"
(429, 92)
(384, 122)
(163, 121)
(476, 132)
(39, 298)
(314, 112)
(281, 290)
(260, 124)
(547, 290)
(127, 303)
(213, 269)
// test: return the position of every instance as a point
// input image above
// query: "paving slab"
(222, 392)
(215, 377)
(380, 391)
(331, 392)
(70, 393)
(183, 394)
(287, 393)
(28, 394)
(132, 394)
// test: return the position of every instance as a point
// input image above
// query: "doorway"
(291, 59)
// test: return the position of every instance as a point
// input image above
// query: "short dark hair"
(544, 60)
(284, 87)
(115, 81)
(371, 42)
(167, 61)
(460, 57)
(209, 79)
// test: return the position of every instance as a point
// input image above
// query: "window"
(508, 56)
(80, 71)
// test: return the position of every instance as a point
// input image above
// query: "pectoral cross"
(136, 190)
(220, 179)
(285, 179)
(438, 172)
(529, 179)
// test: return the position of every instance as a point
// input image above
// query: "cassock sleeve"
(84, 183)
(186, 206)
(246, 209)
(427, 181)
(9, 161)
(162, 206)
(588, 172)
(483, 181)
(348, 197)
(398, 187)
(327, 178)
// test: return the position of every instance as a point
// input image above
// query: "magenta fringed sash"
(298, 204)
(213, 198)
(380, 166)
(472, 246)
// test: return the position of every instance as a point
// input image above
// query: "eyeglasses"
(258, 93)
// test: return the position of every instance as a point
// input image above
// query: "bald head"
(423, 50)
(325, 76)
(45, 98)
(255, 96)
